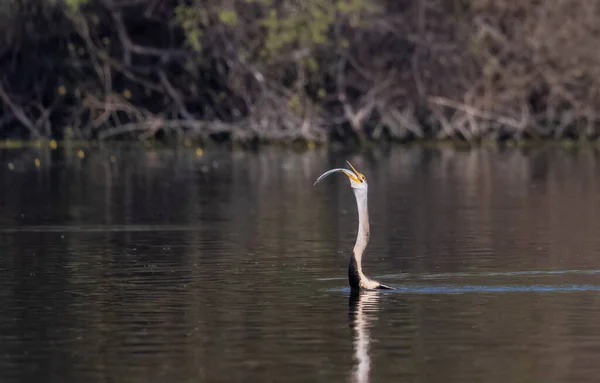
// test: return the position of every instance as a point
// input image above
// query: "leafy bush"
(289, 69)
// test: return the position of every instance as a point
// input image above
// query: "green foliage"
(228, 17)
(302, 28)
(191, 20)
(294, 105)
(311, 64)
(285, 54)
(194, 19)
(307, 24)
(355, 9)
(74, 5)
(261, 2)
(287, 25)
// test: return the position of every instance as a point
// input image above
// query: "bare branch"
(158, 123)
(129, 47)
(473, 111)
(19, 113)
(175, 96)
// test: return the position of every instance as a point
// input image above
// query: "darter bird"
(356, 277)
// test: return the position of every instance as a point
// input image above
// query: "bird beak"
(347, 172)
(356, 172)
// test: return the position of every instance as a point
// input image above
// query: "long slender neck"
(355, 273)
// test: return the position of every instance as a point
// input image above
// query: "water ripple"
(98, 228)
(449, 289)
(477, 274)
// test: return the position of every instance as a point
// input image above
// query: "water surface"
(162, 265)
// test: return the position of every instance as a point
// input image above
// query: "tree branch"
(19, 113)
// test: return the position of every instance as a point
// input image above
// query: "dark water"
(166, 266)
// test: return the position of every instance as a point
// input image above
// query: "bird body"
(356, 278)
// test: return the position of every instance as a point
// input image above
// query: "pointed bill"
(358, 174)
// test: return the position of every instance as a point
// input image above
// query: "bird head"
(357, 179)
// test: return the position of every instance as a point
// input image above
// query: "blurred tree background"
(264, 70)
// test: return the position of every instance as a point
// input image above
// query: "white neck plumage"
(356, 277)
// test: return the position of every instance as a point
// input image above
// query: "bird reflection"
(363, 306)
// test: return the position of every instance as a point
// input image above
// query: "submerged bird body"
(356, 277)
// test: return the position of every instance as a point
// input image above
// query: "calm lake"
(132, 265)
